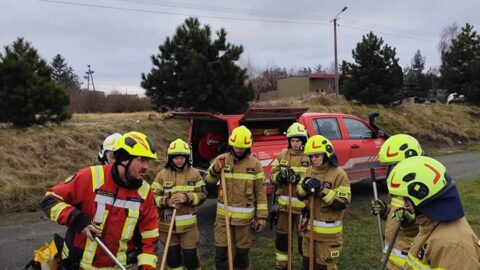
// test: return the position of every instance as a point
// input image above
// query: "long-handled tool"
(227, 221)
(390, 247)
(169, 237)
(289, 264)
(311, 257)
(375, 196)
(109, 253)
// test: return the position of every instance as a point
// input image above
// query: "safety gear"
(286, 176)
(241, 258)
(326, 253)
(312, 185)
(191, 259)
(297, 130)
(273, 217)
(178, 148)
(417, 178)
(378, 207)
(47, 257)
(174, 257)
(121, 215)
(180, 189)
(444, 245)
(404, 216)
(221, 258)
(399, 147)
(136, 144)
(258, 224)
(318, 144)
(218, 165)
(246, 192)
(241, 137)
(281, 241)
(108, 145)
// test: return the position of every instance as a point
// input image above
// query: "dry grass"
(35, 158)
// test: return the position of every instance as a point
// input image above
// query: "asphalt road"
(21, 233)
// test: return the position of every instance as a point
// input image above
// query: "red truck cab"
(356, 141)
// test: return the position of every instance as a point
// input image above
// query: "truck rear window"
(268, 130)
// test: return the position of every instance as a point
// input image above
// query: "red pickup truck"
(355, 140)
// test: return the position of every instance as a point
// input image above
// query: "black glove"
(312, 186)
(273, 217)
(283, 176)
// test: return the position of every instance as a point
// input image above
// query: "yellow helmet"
(318, 144)
(297, 130)
(178, 147)
(418, 178)
(399, 147)
(241, 137)
(136, 144)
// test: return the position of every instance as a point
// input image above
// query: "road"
(21, 233)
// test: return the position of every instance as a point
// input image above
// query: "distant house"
(298, 85)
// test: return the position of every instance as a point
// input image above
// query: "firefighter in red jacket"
(445, 239)
(287, 169)
(112, 202)
(179, 186)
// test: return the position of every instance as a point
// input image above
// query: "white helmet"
(108, 145)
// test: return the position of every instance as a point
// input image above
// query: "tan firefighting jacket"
(328, 222)
(404, 239)
(246, 193)
(444, 245)
(299, 163)
(168, 182)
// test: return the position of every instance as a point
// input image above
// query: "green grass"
(361, 245)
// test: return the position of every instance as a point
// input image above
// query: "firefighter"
(445, 239)
(246, 195)
(287, 169)
(179, 186)
(328, 186)
(110, 201)
(395, 149)
(105, 155)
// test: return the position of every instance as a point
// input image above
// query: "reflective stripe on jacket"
(119, 213)
(245, 189)
(168, 182)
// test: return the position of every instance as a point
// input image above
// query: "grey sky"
(117, 37)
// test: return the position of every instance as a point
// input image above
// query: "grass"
(361, 246)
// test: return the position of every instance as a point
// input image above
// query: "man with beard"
(112, 202)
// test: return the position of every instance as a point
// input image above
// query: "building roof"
(321, 76)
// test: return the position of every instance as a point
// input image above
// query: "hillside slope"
(35, 158)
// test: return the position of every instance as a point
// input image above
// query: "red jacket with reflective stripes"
(120, 213)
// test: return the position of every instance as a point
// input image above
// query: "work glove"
(304, 218)
(287, 176)
(258, 224)
(218, 166)
(273, 217)
(312, 186)
(378, 207)
(405, 216)
(177, 199)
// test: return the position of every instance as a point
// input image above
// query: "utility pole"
(89, 75)
(335, 49)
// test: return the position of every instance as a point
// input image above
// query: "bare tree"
(446, 37)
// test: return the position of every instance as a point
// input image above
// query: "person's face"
(316, 159)
(296, 143)
(110, 157)
(138, 168)
(179, 161)
(239, 151)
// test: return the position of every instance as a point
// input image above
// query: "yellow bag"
(46, 257)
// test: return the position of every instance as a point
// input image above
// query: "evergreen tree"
(63, 73)
(375, 77)
(194, 72)
(415, 80)
(461, 65)
(27, 93)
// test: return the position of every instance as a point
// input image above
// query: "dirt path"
(21, 233)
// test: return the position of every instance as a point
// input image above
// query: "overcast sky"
(117, 37)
